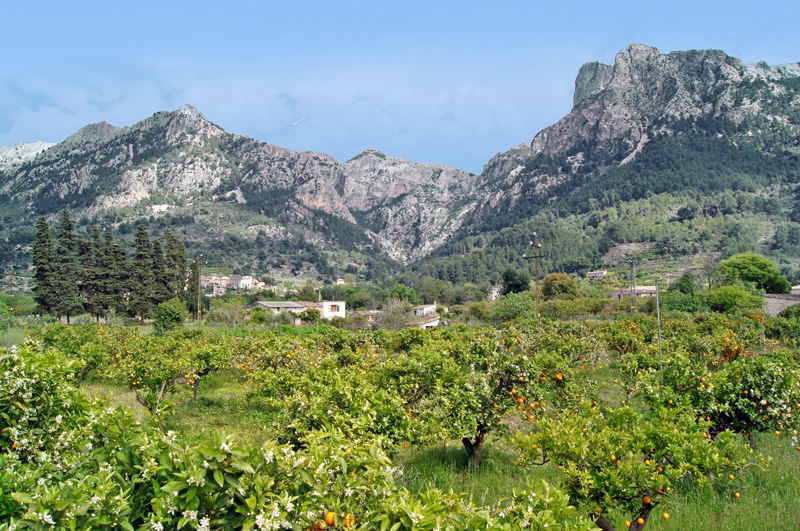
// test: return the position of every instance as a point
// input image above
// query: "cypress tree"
(140, 301)
(174, 263)
(116, 279)
(95, 274)
(90, 278)
(43, 262)
(67, 274)
(161, 291)
(192, 287)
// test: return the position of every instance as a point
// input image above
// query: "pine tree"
(43, 262)
(140, 301)
(67, 274)
(116, 277)
(193, 287)
(174, 263)
(160, 291)
(90, 277)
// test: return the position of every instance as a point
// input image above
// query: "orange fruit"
(665, 516)
(737, 494)
(640, 521)
(647, 499)
(627, 523)
(730, 477)
(330, 518)
(348, 521)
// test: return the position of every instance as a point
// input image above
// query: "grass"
(16, 337)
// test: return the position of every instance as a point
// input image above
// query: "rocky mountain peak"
(92, 133)
(11, 156)
(592, 78)
(192, 115)
(774, 72)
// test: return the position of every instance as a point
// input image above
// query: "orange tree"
(622, 464)
(750, 394)
(306, 389)
(458, 384)
(153, 366)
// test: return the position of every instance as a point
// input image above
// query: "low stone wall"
(775, 304)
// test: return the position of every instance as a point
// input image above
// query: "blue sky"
(450, 82)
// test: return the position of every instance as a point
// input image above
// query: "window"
(334, 307)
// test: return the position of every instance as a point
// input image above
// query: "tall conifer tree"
(193, 287)
(174, 263)
(117, 277)
(67, 274)
(44, 263)
(94, 273)
(140, 301)
(160, 292)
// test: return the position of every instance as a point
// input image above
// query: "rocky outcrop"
(417, 205)
(592, 79)
(12, 156)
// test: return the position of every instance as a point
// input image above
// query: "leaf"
(21, 497)
(174, 486)
(219, 478)
(243, 467)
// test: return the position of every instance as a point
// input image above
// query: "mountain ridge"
(375, 209)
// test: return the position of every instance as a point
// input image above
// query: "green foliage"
(515, 281)
(610, 459)
(404, 293)
(170, 315)
(731, 299)
(514, 306)
(749, 394)
(559, 286)
(753, 268)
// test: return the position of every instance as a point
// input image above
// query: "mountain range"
(658, 149)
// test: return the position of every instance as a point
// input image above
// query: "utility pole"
(632, 263)
(199, 286)
(536, 246)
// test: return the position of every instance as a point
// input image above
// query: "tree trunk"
(195, 385)
(603, 524)
(474, 450)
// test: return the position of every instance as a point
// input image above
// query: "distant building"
(327, 309)
(339, 281)
(596, 275)
(425, 322)
(795, 290)
(424, 309)
(639, 291)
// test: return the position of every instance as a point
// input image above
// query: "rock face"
(11, 156)
(417, 205)
(618, 109)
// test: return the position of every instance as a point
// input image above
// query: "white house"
(639, 291)
(429, 321)
(424, 309)
(327, 309)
